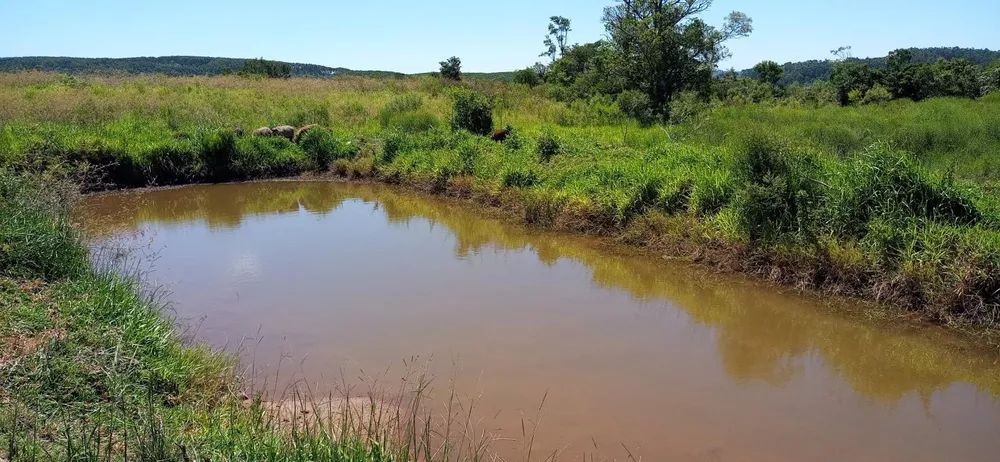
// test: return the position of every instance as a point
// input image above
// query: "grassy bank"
(894, 203)
(91, 370)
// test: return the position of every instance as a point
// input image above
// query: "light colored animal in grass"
(286, 131)
(263, 131)
(302, 131)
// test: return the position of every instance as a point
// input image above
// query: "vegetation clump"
(472, 111)
(264, 68)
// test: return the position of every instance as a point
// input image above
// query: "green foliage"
(818, 93)
(557, 39)
(37, 238)
(472, 111)
(779, 191)
(519, 178)
(414, 122)
(733, 89)
(528, 76)
(991, 78)
(548, 146)
(313, 112)
(406, 102)
(584, 71)
(468, 153)
(957, 77)
(218, 149)
(769, 72)
(451, 68)
(322, 148)
(807, 72)
(267, 156)
(687, 106)
(165, 65)
(662, 48)
(886, 184)
(264, 68)
(636, 105)
(393, 143)
(852, 80)
(403, 114)
(877, 94)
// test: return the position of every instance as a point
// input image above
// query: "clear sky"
(413, 35)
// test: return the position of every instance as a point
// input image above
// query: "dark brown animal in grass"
(286, 131)
(263, 131)
(501, 135)
(303, 131)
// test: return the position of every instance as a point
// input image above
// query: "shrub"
(467, 154)
(392, 144)
(855, 95)
(528, 76)
(990, 79)
(519, 178)
(687, 106)
(877, 94)
(778, 190)
(548, 146)
(267, 156)
(514, 140)
(887, 184)
(712, 190)
(636, 105)
(322, 147)
(218, 148)
(472, 111)
(175, 162)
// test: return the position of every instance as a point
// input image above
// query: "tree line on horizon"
(659, 57)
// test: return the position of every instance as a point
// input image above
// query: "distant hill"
(810, 71)
(168, 65)
(798, 72)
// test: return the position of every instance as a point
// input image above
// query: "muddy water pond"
(333, 281)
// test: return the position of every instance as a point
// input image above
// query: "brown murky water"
(670, 361)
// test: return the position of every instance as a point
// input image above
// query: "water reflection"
(761, 332)
(637, 350)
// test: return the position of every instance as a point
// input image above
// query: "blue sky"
(413, 35)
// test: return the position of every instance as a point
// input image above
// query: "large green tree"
(585, 70)
(957, 77)
(769, 72)
(662, 46)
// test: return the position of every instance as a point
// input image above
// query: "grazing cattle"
(303, 131)
(263, 131)
(501, 135)
(286, 131)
